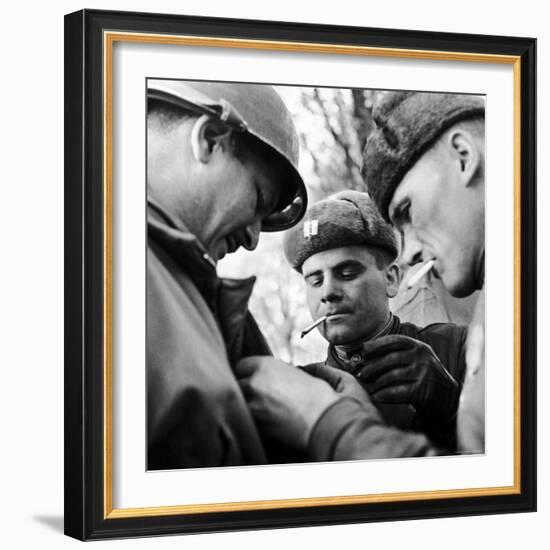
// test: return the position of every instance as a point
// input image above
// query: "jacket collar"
(351, 358)
(228, 295)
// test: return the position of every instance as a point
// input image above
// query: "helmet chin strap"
(195, 141)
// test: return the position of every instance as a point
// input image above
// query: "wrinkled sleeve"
(348, 430)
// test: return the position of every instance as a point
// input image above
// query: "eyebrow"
(340, 265)
(312, 273)
(348, 263)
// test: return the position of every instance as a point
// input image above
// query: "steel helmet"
(253, 108)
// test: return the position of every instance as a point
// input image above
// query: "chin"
(340, 338)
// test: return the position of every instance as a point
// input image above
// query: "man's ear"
(393, 279)
(207, 136)
(466, 154)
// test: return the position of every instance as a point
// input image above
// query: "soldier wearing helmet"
(221, 167)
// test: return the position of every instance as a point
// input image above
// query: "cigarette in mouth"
(420, 273)
(309, 328)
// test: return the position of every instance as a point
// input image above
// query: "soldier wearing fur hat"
(425, 168)
(221, 167)
(345, 252)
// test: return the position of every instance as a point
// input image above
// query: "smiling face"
(246, 190)
(351, 285)
(220, 196)
(439, 209)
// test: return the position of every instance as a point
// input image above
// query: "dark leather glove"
(400, 369)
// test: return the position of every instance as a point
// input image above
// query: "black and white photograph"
(304, 293)
(315, 274)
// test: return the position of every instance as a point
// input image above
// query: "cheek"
(439, 241)
(241, 199)
(313, 299)
(425, 232)
(361, 289)
(434, 218)
(237, 208)
(371, 296)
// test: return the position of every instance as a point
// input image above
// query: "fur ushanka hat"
(408, 123)
(344, 219)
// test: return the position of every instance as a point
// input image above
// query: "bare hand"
(285, 401)
(340, 381)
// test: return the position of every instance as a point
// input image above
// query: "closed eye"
(260, 201)
(404, 214)
(349, 274)
(401, 215)
(314, 280)
(349, 270)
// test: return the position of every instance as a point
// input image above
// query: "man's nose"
(252, 234)
(331, 291)
(412, 249)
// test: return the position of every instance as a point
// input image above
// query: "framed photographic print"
(300, 274)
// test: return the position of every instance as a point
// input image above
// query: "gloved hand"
(400, 369)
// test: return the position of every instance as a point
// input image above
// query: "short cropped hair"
(165, 115)
(244, 145)
(474, 125)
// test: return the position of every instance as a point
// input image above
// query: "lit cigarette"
(309, 328)
(420, 273)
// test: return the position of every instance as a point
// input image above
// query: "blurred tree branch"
(333, 126)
